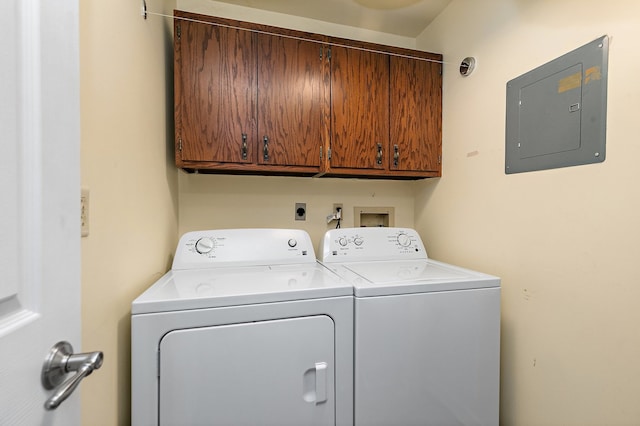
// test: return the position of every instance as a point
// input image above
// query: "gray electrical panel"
(556, 113)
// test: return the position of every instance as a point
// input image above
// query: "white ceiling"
(401, 17)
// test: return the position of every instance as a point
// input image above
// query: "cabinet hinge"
(320, 153)
(265, 148)
(329, 54)
(440, 69)
(329, 154)
(439, 159)
(321, 52)
(179, 144)
(178, 31)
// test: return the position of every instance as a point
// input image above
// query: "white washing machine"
(427, 334)
(246, 329)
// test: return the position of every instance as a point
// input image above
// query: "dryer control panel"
(367, 244)
(243, 247)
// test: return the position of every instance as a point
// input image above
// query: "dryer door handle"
(321, 382)
(314, 383)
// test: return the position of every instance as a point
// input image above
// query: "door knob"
(60, 361)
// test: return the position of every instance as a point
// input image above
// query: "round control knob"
(404, 240)
(204, 245)
(342, 241)
(292, 242)
(358, 241)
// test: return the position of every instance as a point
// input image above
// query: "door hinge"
(179, 144)
(178, 31)
(329, 154)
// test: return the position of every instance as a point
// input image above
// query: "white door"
(39, 207)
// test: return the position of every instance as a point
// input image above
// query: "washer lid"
(412, 276)
(233, 286)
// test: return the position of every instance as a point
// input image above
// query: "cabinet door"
(290, 101)
(215, 93)
(360, 108)
(278, 373)
(416, 114)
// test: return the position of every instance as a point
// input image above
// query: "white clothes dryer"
(247, 328)
(427, 334)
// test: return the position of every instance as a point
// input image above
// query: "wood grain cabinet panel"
(215, 93)
(359, 109)
(247, 101)
(416, 115)
(290, 101)
(386, 111)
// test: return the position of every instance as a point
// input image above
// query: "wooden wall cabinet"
(290, 101)
(359, 110)
(215, 95)
(246, 101)
(256, 99)
(386, 112)
(415, 138)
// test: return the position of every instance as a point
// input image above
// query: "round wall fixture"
(467, 66)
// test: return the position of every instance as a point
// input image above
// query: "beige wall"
(212, 201)
(215, 8)
(126, 120)
(564, 241)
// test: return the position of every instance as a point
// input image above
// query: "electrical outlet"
(337, 206)
(301, 211)
(84, 212)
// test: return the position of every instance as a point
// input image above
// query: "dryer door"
(278, 372)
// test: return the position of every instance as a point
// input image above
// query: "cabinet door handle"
(396, 155)
(265, 148)
(379, 154)
(244, 146)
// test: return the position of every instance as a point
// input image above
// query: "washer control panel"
(243, 247)
(367, 244)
